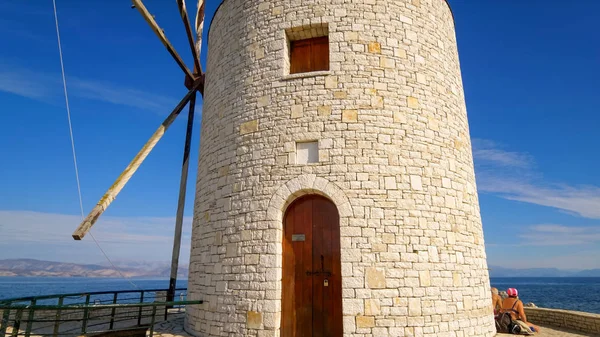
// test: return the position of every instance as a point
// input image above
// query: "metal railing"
(127, 311)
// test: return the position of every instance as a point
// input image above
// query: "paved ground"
(554, 332)
(174, 328)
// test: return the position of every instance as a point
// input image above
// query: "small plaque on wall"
(298, 237)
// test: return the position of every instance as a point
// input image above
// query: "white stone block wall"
(585, 322)
(394, 156)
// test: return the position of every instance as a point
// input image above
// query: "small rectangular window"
(309, 55)
(307, 152)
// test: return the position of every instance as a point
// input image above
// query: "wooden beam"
(188, 31)
(181, 202)
(139, 5)
(114, 190)
(199, 23)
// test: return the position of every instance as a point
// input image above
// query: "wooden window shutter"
(309, 55)
(320, 53)
(300, 56)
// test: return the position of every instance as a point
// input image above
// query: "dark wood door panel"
(312, 282)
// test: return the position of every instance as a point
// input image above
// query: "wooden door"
(312, 280)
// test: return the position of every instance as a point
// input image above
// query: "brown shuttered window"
(309, 55)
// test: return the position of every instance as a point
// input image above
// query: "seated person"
(496, 301)
(514, 306)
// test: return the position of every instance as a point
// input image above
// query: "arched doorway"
(312, 280)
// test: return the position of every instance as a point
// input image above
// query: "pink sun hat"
(512, 292)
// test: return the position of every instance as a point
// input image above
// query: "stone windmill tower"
(336, 191)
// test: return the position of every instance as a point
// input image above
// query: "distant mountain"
(588, 273)
(496, 271)
(30, 267)
(137, 269)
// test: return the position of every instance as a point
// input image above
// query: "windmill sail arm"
(139, 5)
(190, 35)
(199, 23)
(122, 180)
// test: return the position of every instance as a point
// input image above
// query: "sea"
(19, 287)
(570, 293)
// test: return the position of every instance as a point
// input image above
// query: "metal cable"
(62, 67)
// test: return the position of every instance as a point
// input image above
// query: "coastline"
(556, 318)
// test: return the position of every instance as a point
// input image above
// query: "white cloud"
(583, 200)
(47, 87)
(510, 175)
(47, 236)
(22, 84)
(548, 246)
(514, 176)
(560, 235)
(489, 152)
(119, 95)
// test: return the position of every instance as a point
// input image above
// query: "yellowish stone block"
(331, 82)
(340, 94)
(414, 307)
(387, 62)
(399, 117)
(237, 187)
(365, 322)
(324, 111)
(458, 144)
(456, 281)
(350, 116)
(379, 247)
(260, 53)
(413, 102)
(249, 127)
(468, 300)
(425, 278)
(434, 124)
(372, 307)
(277, 10)
(351, 36)
(374, 47)
(223, 171)
(375, 278)
(263, 6)
(297, 111)
(254, 320)
(399, 52)
(377, 102)
(264, 101)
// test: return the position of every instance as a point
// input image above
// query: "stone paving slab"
(174, 328)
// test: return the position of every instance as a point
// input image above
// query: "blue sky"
(531, 72)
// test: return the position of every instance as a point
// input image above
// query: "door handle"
(320, 272)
